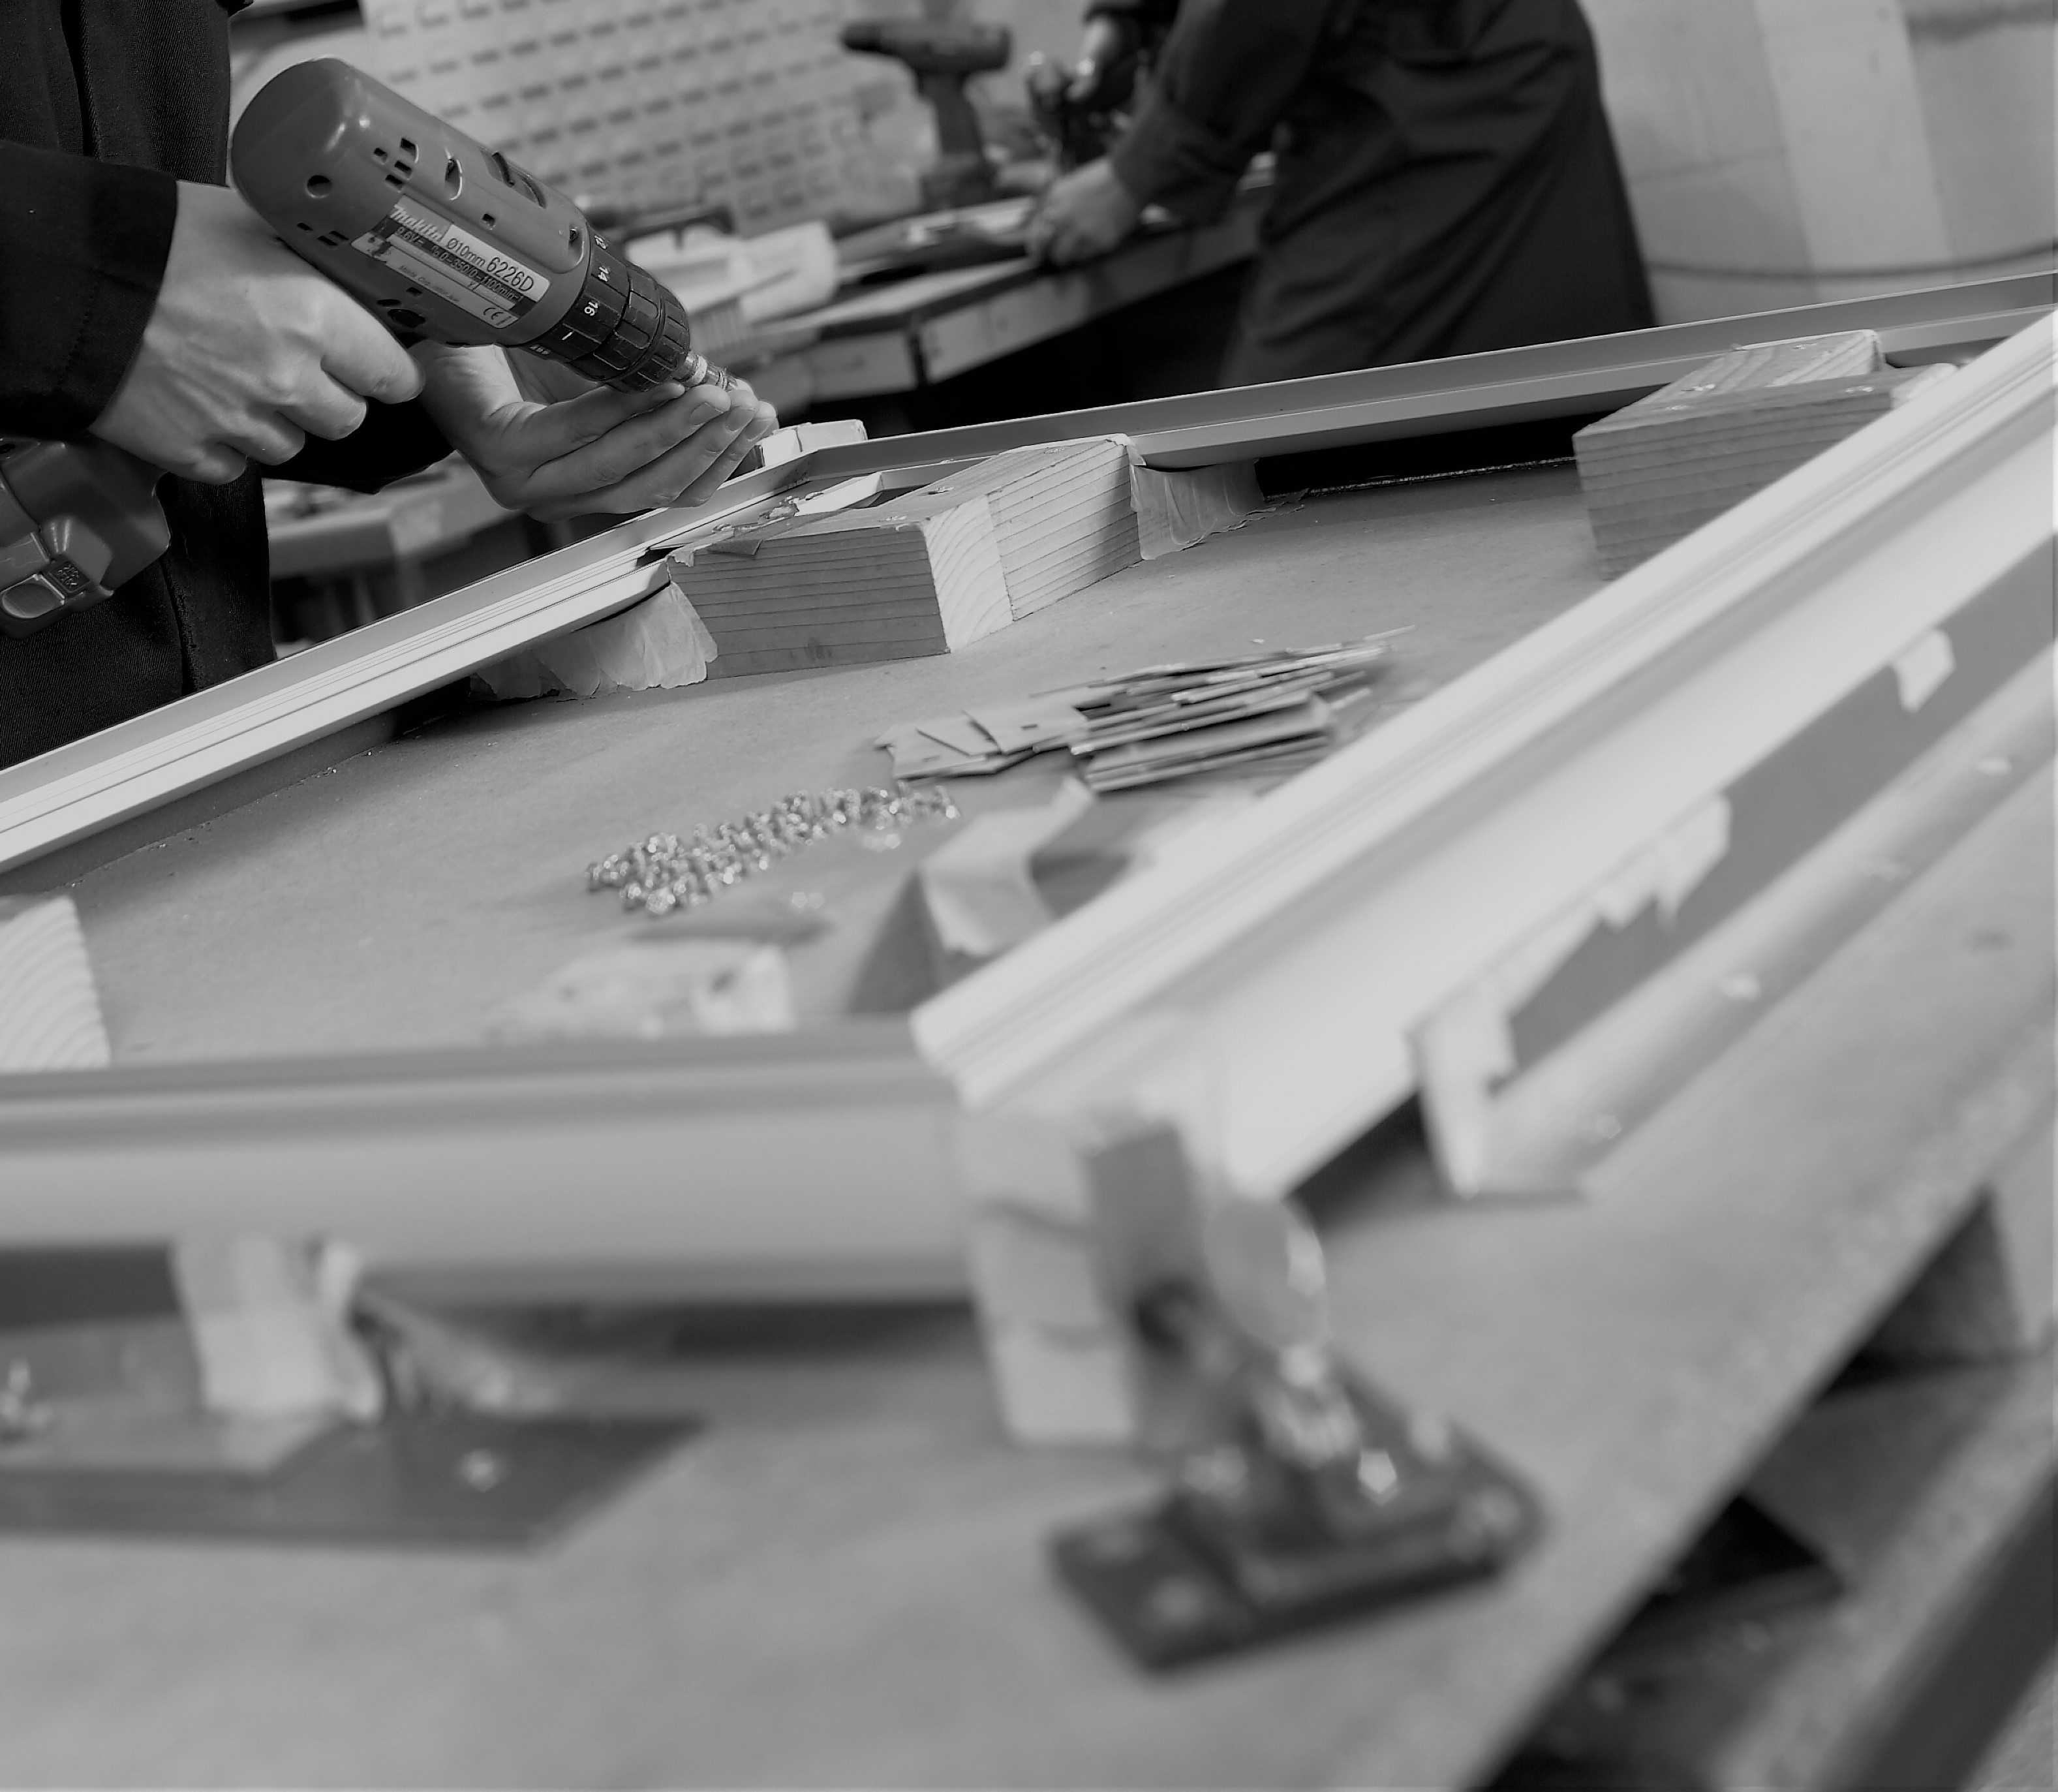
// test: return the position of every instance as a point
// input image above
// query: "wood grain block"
(920, 574)
(925, 572)
(1656, 471)
(49, 1010)
(1062, 514)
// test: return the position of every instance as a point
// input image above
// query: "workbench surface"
(842, 1581)
(396, 900)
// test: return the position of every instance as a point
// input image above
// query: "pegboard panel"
(641, 104)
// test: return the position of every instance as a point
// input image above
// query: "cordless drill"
(942, 56)
(444, 240)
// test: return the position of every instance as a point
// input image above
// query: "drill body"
(445, 239)
(448, 240)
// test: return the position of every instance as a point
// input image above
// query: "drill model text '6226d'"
(445, 239)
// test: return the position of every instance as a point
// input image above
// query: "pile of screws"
(664, 871)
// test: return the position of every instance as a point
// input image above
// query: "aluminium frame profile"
(1583, 377)
(1253, 986)
(91, 783)
(138, 765)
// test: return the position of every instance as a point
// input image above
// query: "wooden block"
(49, 1010)
(1065, 1227)
(271, 1329)
(1656, 471)
(1063, 514)
(977, 890)
(1759, 365)
(920, 574)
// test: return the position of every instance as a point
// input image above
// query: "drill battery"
(77, 519)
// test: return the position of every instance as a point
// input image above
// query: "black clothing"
(105, 106)
(1446, 180)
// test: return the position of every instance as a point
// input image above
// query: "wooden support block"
(1065, 1226)
(49, 1010)
(1063, 515)
(271, 1329)
(919, 574)
(926, 571)
(1656, 471)
(979, 896)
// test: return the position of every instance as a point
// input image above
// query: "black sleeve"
(393, 441)
(1223, 80)
(82, 250)
(1144, 17)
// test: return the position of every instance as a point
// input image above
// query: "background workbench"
(841, 1582)
(1151, 318)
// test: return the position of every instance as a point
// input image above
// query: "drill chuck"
(446, 240)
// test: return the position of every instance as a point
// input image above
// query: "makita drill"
(444, 238)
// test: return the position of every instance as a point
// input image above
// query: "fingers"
(1059, 241)
(356, 353)
(1043, 230)
(698, 491)
(274, 443)
(630, 428)
(701, 424)
(689, 473)
(325, 409)
(212, 464)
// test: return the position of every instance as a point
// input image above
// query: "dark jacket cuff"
(1165, 158)
(83, 250)
(393, 441)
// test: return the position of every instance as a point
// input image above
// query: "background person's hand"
(248, 352)
(601, 451)
(1082, 214)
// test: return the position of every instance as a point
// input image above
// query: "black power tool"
(445, 239)
(943, 55)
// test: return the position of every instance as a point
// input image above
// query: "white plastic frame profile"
(1258, 986)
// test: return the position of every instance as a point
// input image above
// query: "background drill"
(943, 55)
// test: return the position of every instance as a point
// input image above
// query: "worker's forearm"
(1143, 16)
(1222, 82)
(1165, 158)
(83, 250)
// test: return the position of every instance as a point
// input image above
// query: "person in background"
(1445, 180)
(142, 302)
